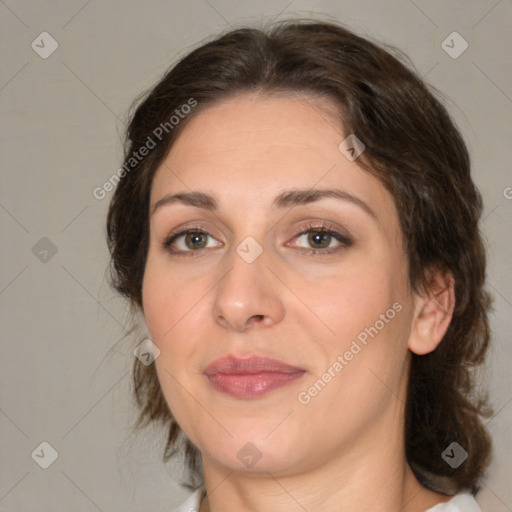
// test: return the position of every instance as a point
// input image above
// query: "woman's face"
(248, 284)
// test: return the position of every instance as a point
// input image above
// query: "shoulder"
(463, 502)
(192, 503)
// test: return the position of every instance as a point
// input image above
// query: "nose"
(248, 296)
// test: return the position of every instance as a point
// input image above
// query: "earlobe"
(433, 313)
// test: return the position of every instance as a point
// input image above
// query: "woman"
(297, 223)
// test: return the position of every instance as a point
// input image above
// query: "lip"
(250, 377)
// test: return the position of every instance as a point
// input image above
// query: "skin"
(344, 449)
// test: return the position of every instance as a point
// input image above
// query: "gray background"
(65, 369)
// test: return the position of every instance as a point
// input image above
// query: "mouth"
(251, 377)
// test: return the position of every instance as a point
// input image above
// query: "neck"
(376, 477)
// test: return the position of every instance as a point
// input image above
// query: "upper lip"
(251, 365)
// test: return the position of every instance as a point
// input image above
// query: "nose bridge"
(247, 290)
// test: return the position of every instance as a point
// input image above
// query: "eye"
(187, 241)
(320, 239)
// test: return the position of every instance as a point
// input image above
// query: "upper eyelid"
(341, 236)
(183, 231)
(303, 228)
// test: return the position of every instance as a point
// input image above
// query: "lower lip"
(252, 385)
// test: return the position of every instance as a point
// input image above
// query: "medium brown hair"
(415, 150)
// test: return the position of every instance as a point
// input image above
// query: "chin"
(253, 450)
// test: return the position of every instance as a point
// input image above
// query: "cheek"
(170, 308)
(175, 308)
(165, 299)
(156, 297)
(366, 313)
(353, 299)
(363, 360)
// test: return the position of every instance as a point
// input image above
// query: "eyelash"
(304, 229)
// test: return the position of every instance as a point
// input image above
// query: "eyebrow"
(287, 199)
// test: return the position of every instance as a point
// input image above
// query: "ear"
(433, 313)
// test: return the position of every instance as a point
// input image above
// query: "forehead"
(247, 149)
(252, 127)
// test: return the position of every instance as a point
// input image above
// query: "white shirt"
(463, 502)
